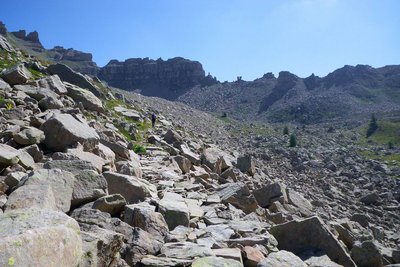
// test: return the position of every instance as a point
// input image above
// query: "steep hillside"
(349, 93)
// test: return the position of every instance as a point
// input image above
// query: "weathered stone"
(50, 103)
(213, 261)
(16, 75)
(151, 261)
(68, 75)
(13, 178)
(32, 197)
(131, 188)
(29, 136)
(95, 160)
(296, 199)
(252, 256)
(100, 246)
(193, 157)
(88, 186)
(371, 198)
(61, 182)
(282, 259)
(8, 155)
(145, 217)
(39, 238)
(87, 98)
(53, 83)
(36, 93)
(321, 261)
(310, 233)
(112, 204)
(140, 243)
(268, 194)
(63, 130)
(246, 165)
(74, 166)
(362, 219)
(129, 168)
(229, 253)
(238, 195)
(185, 250)
(366, 254)
(174, 209)
(25, 160)
(183, 163)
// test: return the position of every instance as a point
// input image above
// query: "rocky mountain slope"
(86, 181)
(347, 93)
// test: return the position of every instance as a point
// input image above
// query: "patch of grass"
(36, 74)
(111, 104)
(388, 131)
(377, 156)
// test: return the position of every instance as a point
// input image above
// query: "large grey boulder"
(174, 209)
(144, 216)
(68, 75)
(4, 86)
(87, 98)
(151, 261)
(366, 254)
(217, 160)
(131, 167)
(282, 259)
(53, 83)
(268, 194)
(37, 93)
(88, 186)
(112, 204)
(29, 136)
(131, 188)
(95, 160)
(18, 74)
(74, 166)
(61, 183)
(39, 238)
(246, 164)
(238, 194)
(32, 197)
(63, 130)
(311, 233)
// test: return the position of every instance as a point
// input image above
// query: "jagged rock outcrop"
(167, 79)
(30, 40)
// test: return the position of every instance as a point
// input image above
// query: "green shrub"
(292, 141)
(390, 145)
(373, 126)
(139, 149)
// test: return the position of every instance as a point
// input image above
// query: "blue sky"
(229, 37)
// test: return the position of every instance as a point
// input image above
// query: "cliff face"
(168, 79)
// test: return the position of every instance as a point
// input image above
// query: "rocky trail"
(86, 181)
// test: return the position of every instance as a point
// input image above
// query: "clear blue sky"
(229, 37)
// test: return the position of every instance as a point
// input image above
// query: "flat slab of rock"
(174, 209)
(152, 261)
(131, 188)
(39, 238)
(61, 182)
(282, 259)
(95, 160)
(74, 166)
(32, 197)
(53, 83)
(185, 250)
(112, 204)
(63, 130)
(213, 261)
(310, 233)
